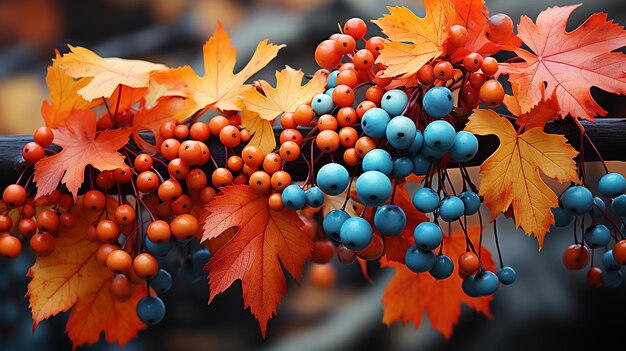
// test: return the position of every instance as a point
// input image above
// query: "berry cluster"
(397, 130)
(577, 203)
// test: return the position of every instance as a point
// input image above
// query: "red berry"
(576, 257)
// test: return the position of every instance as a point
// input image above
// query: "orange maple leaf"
(72, 277)
(151, 119)
(219, 88)
(107, 73)
(287, 95)
(538, 116)
(261, 129)
(569, 63)
(81, 147)
(127, 97)
(262, 239)
(64, 97)
(473, 15)
(414, 40)
(511, 174)
(408, 295)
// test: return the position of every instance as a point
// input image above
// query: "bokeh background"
(548, 307)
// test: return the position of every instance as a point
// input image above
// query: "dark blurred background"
(547, 308)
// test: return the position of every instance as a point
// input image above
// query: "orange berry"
(10, 246)
(119, 261)
(177, 168)
(443, 70)
(345, 44)
(103, 252)
(472, 62)
(489, 66)
(200, 131)
(145, 265)
(363, 60)
(181, 204)
(492, 93)
(184, 226)
(348, 77)
(27, 227)
(363, 107)
(166, 130)
(67, 220)
(458, 36)
(147, 182)
(426, 75)
(121, 287)
(576, 257)
(252, 156)
(326, 122)
(190, 152)
(468, 262)
(291, 135)
(48, 221)
(221, 177)
(348, 136)
(94, 200)
(350, 157)
(259, 182)
(275, 202)
(159, 231)
(326, 54)
(125, 214)
(303, 115)
(105, 179)
(327, 141)
(289, 151)
(346, 117)
(181, 131)
(14, 195)
(364, 145)
(287, 120)
(43, 136)
(230, 136)
(272, 163)
(355, 27)
(123, 175)
(6, 223)
(374, 94)
(42, 244)
(33, 152)
(217, 123)
(374, 45)
(280, 180)
(108, 231)
(323, 251)
(343, 96)
(196, 179)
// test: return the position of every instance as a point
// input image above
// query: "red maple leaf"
(82, 146)
(568, 63)
(409, 295)
(252, 255)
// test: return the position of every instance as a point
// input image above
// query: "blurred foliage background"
(548, 307)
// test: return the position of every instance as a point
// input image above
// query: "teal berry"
(373, 188)
(151, 310)
(390, 220)
(322, 104)
(356, 233)
(418, 260)
(401, 132)
(332, 179)
(374, 122)
(378, 160)
(438, 102)
(332, 223)
(394, 102)
(612, 185)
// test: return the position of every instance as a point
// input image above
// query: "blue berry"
(373, 188)
(199, 260)
(331, 81)
(562, 217)
(421, 165)
(356, 233)
(390, 220)
(159, 249)
(418, 260)
(417, 143)
(378, 160)
(443, 267)
(314, 197)
(151, 310)
(469, 287)
(181, 242)
(618, 205)
(438, 102)
(333, 179)
(598, 207)
(329, 92)
(465, 146)
(507, 275)
(432, 153)
(332, 223)
(322, 104)
(451, 209)
(402, 166)
(486, 283)
(394, 102)
(612, 278)
(439, 135)
(597, 236)
(608, 261)
(374, 122)
(427, 235)
(401, 132)
(577, 200)
(612, 185)
(162, 281)
(426, 200)
(294, 197)
(471, 201)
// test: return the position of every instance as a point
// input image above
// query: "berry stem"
(495, 235)
(119, 98)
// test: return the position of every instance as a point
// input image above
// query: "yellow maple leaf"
(64, 97)
(287, 95)
(107, 73)
(413, 40)
(510, 176)
(261, 129)
(219, 88)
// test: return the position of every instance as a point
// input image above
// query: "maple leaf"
(64, 97)
(107, 73)
(511, 174)
(127, 97)
(569, 63)
(538, 116)
(287, 95)
(262, 239)
(219, 88)
(151, 119)
(261, 129)
(81, 147)
(409, 295)
(414, 40)
(473, 15)
(72, 277)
